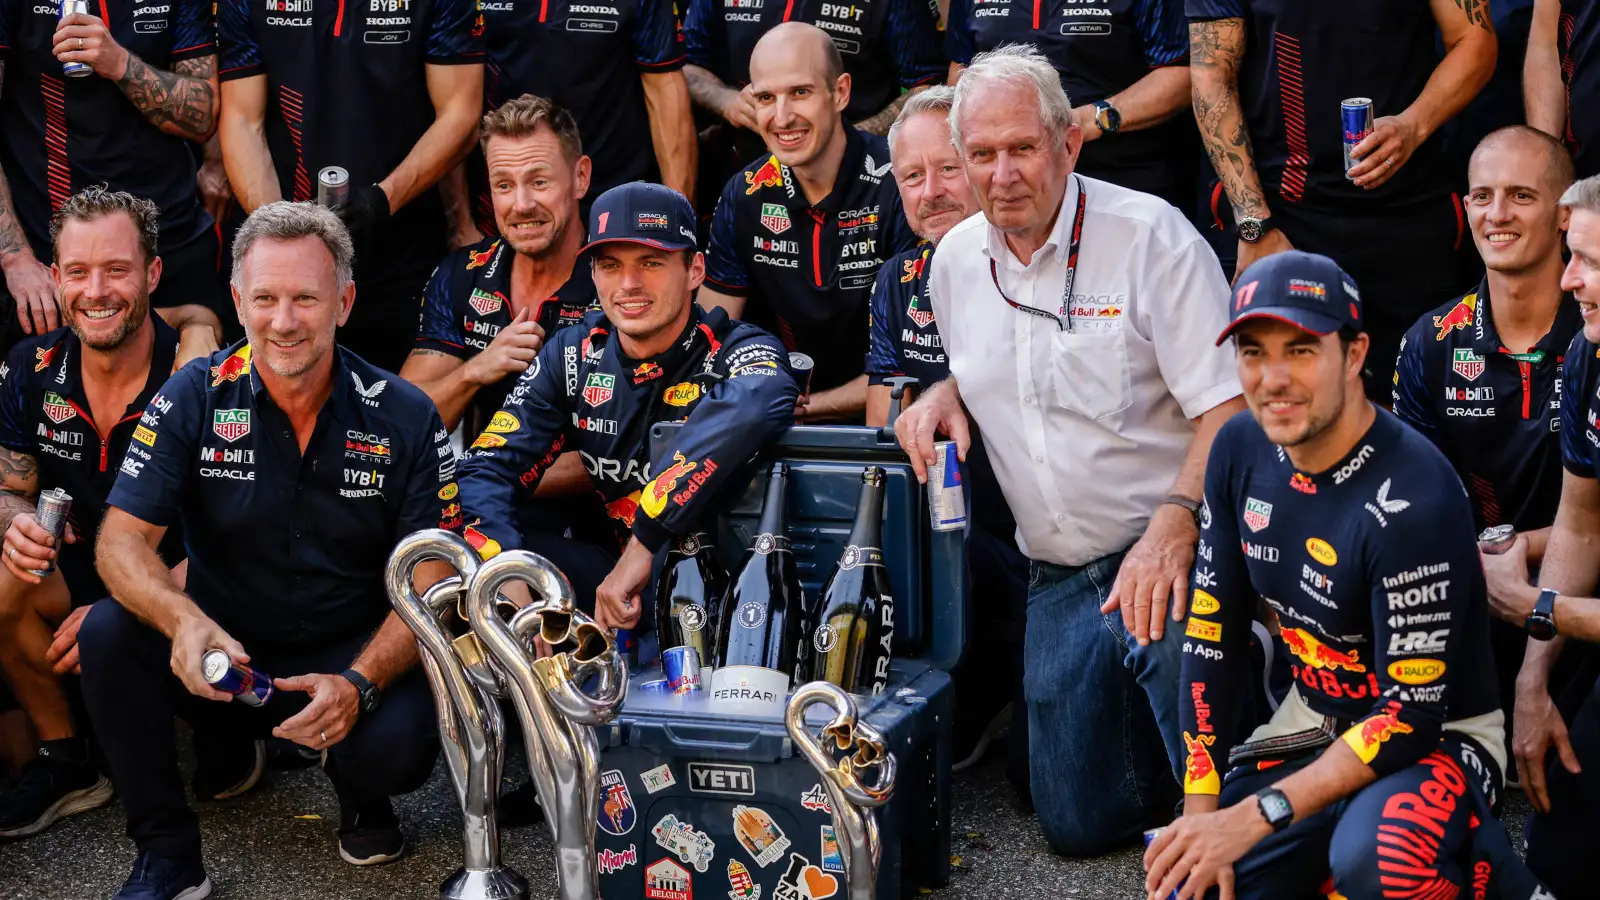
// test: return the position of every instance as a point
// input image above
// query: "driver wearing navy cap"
(649, 354)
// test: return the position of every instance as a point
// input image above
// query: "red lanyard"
(1063, 321)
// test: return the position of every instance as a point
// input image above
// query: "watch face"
(1249, 230)
(1540, 628)
(1276, 807)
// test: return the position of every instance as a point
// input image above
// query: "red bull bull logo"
(233, 367)
(477, 258)
(654, 497)
(646, 371)
(914, 268)
(42, 357)
(1302, 483)
(1200, 774)
(624, 509)
(1459, 317)
(1317, 655)
(1368, 735)
(769, 175)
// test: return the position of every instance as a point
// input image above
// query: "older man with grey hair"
(293, 467)
(1078, 318)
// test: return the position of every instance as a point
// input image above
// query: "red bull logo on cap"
(233, 367)
(769, 175)
(1459, 317)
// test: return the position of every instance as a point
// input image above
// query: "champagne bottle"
(759, 629)
(855, 624)
(689, 595)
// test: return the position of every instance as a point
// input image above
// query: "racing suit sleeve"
(236, 37)
(513, 453)
(194, 32)
(431, 497)
(736, 417)
(14, 434)
(959, 43)
(1164, 32)
(1216, 635)
(1411, 390)
(882, 360)
(725, 270)
(1426, 581)
(1576, 384)
(912, 30)
(152, 488)
(440, 327)
(657, 39)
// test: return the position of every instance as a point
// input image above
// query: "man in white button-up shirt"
(1079, 320)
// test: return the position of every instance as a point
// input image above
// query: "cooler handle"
(897, 392)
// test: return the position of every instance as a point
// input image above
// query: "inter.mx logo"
(231, 424)
(719, 778)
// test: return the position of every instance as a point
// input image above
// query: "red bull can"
(71, 8)
(947, 503)
(333, 187)
(802, 365)
(681, 665)
(1150, 838)
(659, 686)
(1497, 539)
(247, 684)
(1356, 114)
(51, 515)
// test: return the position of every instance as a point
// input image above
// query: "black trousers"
(1561, 844)
(133, 698)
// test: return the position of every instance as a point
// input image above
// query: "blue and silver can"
(659, 686)
(247, 685)
(1149, 838)
(947, 503)
(68, 8)
(51, 514)
(1356, 115)
(681, 665)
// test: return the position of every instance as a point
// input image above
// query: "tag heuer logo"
(57, 407)
(1467, 364)
(483, 302)
(231, 424)
(1257, 514)
(597, 389)
(775, 217)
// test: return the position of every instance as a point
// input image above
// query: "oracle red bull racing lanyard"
(1064, 320)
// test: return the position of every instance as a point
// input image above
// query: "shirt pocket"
(1089, 373)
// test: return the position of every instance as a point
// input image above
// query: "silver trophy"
(558, 715)
(852, 799)
(471, 728)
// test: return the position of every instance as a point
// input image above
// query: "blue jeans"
(1102, 713)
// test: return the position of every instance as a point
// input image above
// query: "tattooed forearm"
(12, 239)
(181, 102)
(1215, 48)
(879, 124)
(13, 505)
(1477, 13)
(19, 474)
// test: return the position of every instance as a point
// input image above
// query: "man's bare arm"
(710, 299)
(845, 402)
(392, 650)
(666, 101)
(26, 277)
(1544, 97)
(1191, 478)
(243, 134)
(183, 101)
(457, 96)
(1160, 95)
(126, 558)
(1215, 49)
(445, 379)
(879, 122)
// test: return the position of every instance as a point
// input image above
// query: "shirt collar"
(1060, 233)
(163, 351)
(338, 396)
(1567, 319)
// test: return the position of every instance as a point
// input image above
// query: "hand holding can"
(1498, 539)
(247, 684)
(333, 187)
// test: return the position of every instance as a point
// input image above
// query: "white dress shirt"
(1087, 428)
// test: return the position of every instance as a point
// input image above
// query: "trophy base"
(485, 884)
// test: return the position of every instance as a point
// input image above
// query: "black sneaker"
(226, 769)
(370, 835)
(48, 789)
(159, 878)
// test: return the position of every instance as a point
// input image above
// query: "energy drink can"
(69, 8)
(628, 646)
(333, 187)
(1149, 838)
(1497, 539)
(248, 685)
(51, 515)
(802, 365)
(947, 504)
(1356, 115)
(681, 665)
(659, 686)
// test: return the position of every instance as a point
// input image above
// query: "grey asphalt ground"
(278, 844)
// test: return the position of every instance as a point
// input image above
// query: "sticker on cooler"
(947, 505)
(658, 779)
(693, 847)
(759, 835)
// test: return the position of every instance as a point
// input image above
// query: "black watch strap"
(1275, 808)
(370, 695)
(1541, 623)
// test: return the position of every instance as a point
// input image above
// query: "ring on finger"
(80, 43)
(324, 736)
(1388, 163)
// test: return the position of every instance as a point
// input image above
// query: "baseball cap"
(642, 213)
(1307, 290)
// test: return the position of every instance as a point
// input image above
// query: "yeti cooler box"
(697, 803)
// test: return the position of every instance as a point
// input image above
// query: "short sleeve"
(959, 42)
(455, 33)
(1576, 386)
(440, 327)
(13, 390)
(1182, 306)
(657, 39)
(194, 31)
(1205, 10)
(725, 270)
(236, 34)
(1164, 32)
(912, 31)
(882, 361)
(155, 471)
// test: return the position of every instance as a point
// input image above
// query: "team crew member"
(1561, 77)
(1480, 376)
(51, 425)
(1124, 62)
(393, 98)
(129, 125)
(1388, 751)
(1269, 77)
(1097, 414)
(884, 45)
(648, 355)
(286, 558)
(798, 236)
(1561, 768)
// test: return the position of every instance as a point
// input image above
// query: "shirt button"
(1028, 399)
(1038, 459)
(299, 534)
(1060, 517)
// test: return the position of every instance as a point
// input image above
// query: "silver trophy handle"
(471, 728)
(558, 716)
(853, 800)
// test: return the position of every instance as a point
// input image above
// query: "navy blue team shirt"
(288, 550)
(59, 135)
(45, 414)
(730, 382)
(1580, 408)
(808, 270)
(1579, 39)
(1496, 415)
(1372, 568)
(886, 45)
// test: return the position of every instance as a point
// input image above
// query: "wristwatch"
(1106, 116)
(1275, 808)
(1541, 623)
(1188, 503)
(1252, 229)
(370, 695)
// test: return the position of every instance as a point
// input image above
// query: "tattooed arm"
(879, 123)
(181, 102)
(19, 485)
(26, 278)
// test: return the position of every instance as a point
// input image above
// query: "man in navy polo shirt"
(389, 91)
(798, 236)
(130, 124)
(293, 466)
(1561, 77)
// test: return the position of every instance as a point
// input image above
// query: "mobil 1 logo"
(721, 778)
